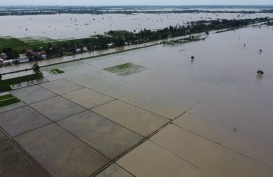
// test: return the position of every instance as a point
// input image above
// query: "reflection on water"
(220, 86)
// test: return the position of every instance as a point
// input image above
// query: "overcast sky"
(136, 2)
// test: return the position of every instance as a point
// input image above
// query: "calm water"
(80, 26)
(220, 86)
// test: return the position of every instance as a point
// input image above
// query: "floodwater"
(28, 65)
(223, 70)
(220, 86)
(66, 26)
(221, 112)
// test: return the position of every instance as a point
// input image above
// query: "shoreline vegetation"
(32, 49)
(52, 10)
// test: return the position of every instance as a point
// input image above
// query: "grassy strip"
(125, 69)
(21, 44)
(5, 88)
(57, 71)
(53, 71)
(9, 102)
(4, 97)
(119, 68)
(5, 84)
(21, 79)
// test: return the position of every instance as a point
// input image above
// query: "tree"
(11, 54)
(260, 73)
(36, 69)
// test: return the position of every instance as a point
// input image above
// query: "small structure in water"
(260, 73)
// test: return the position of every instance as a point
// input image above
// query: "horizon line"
(151, 5)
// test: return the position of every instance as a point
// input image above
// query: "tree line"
(122, 38)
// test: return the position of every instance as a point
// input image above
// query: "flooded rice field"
(66, 26)
(219, 88)
(207, 116)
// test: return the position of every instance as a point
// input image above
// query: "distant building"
(78, 50)
(111, 44)
(3, 56)
(85, 49)
(7, 62)
(44, 56)
(29, 51)
(23, 58)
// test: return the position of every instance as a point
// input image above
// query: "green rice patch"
(5, 84)
(4, 97)
(8, 99)
(57, 71)
(125, 69)
(5, 88)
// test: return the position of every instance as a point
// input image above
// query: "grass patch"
(125, 69)
(10, 101)
(4, 97)
(57, 71)
(5, 84)
(4, 88)
(21, 44)
(184, 40)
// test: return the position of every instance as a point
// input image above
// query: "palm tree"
(192, 57)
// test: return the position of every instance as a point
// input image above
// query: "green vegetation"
(5, 84)
(8, 99)
(20, 44)
(53, 48)
(125, 69)
(36, 69)
(184, 40)
(14, 46)
(4, 97)
(5, 88)
(270, 23)
(57, 71)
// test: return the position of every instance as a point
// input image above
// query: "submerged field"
(67, 26)
(211, 116)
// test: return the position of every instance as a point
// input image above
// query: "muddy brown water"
(220, 85)
(84, 25)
